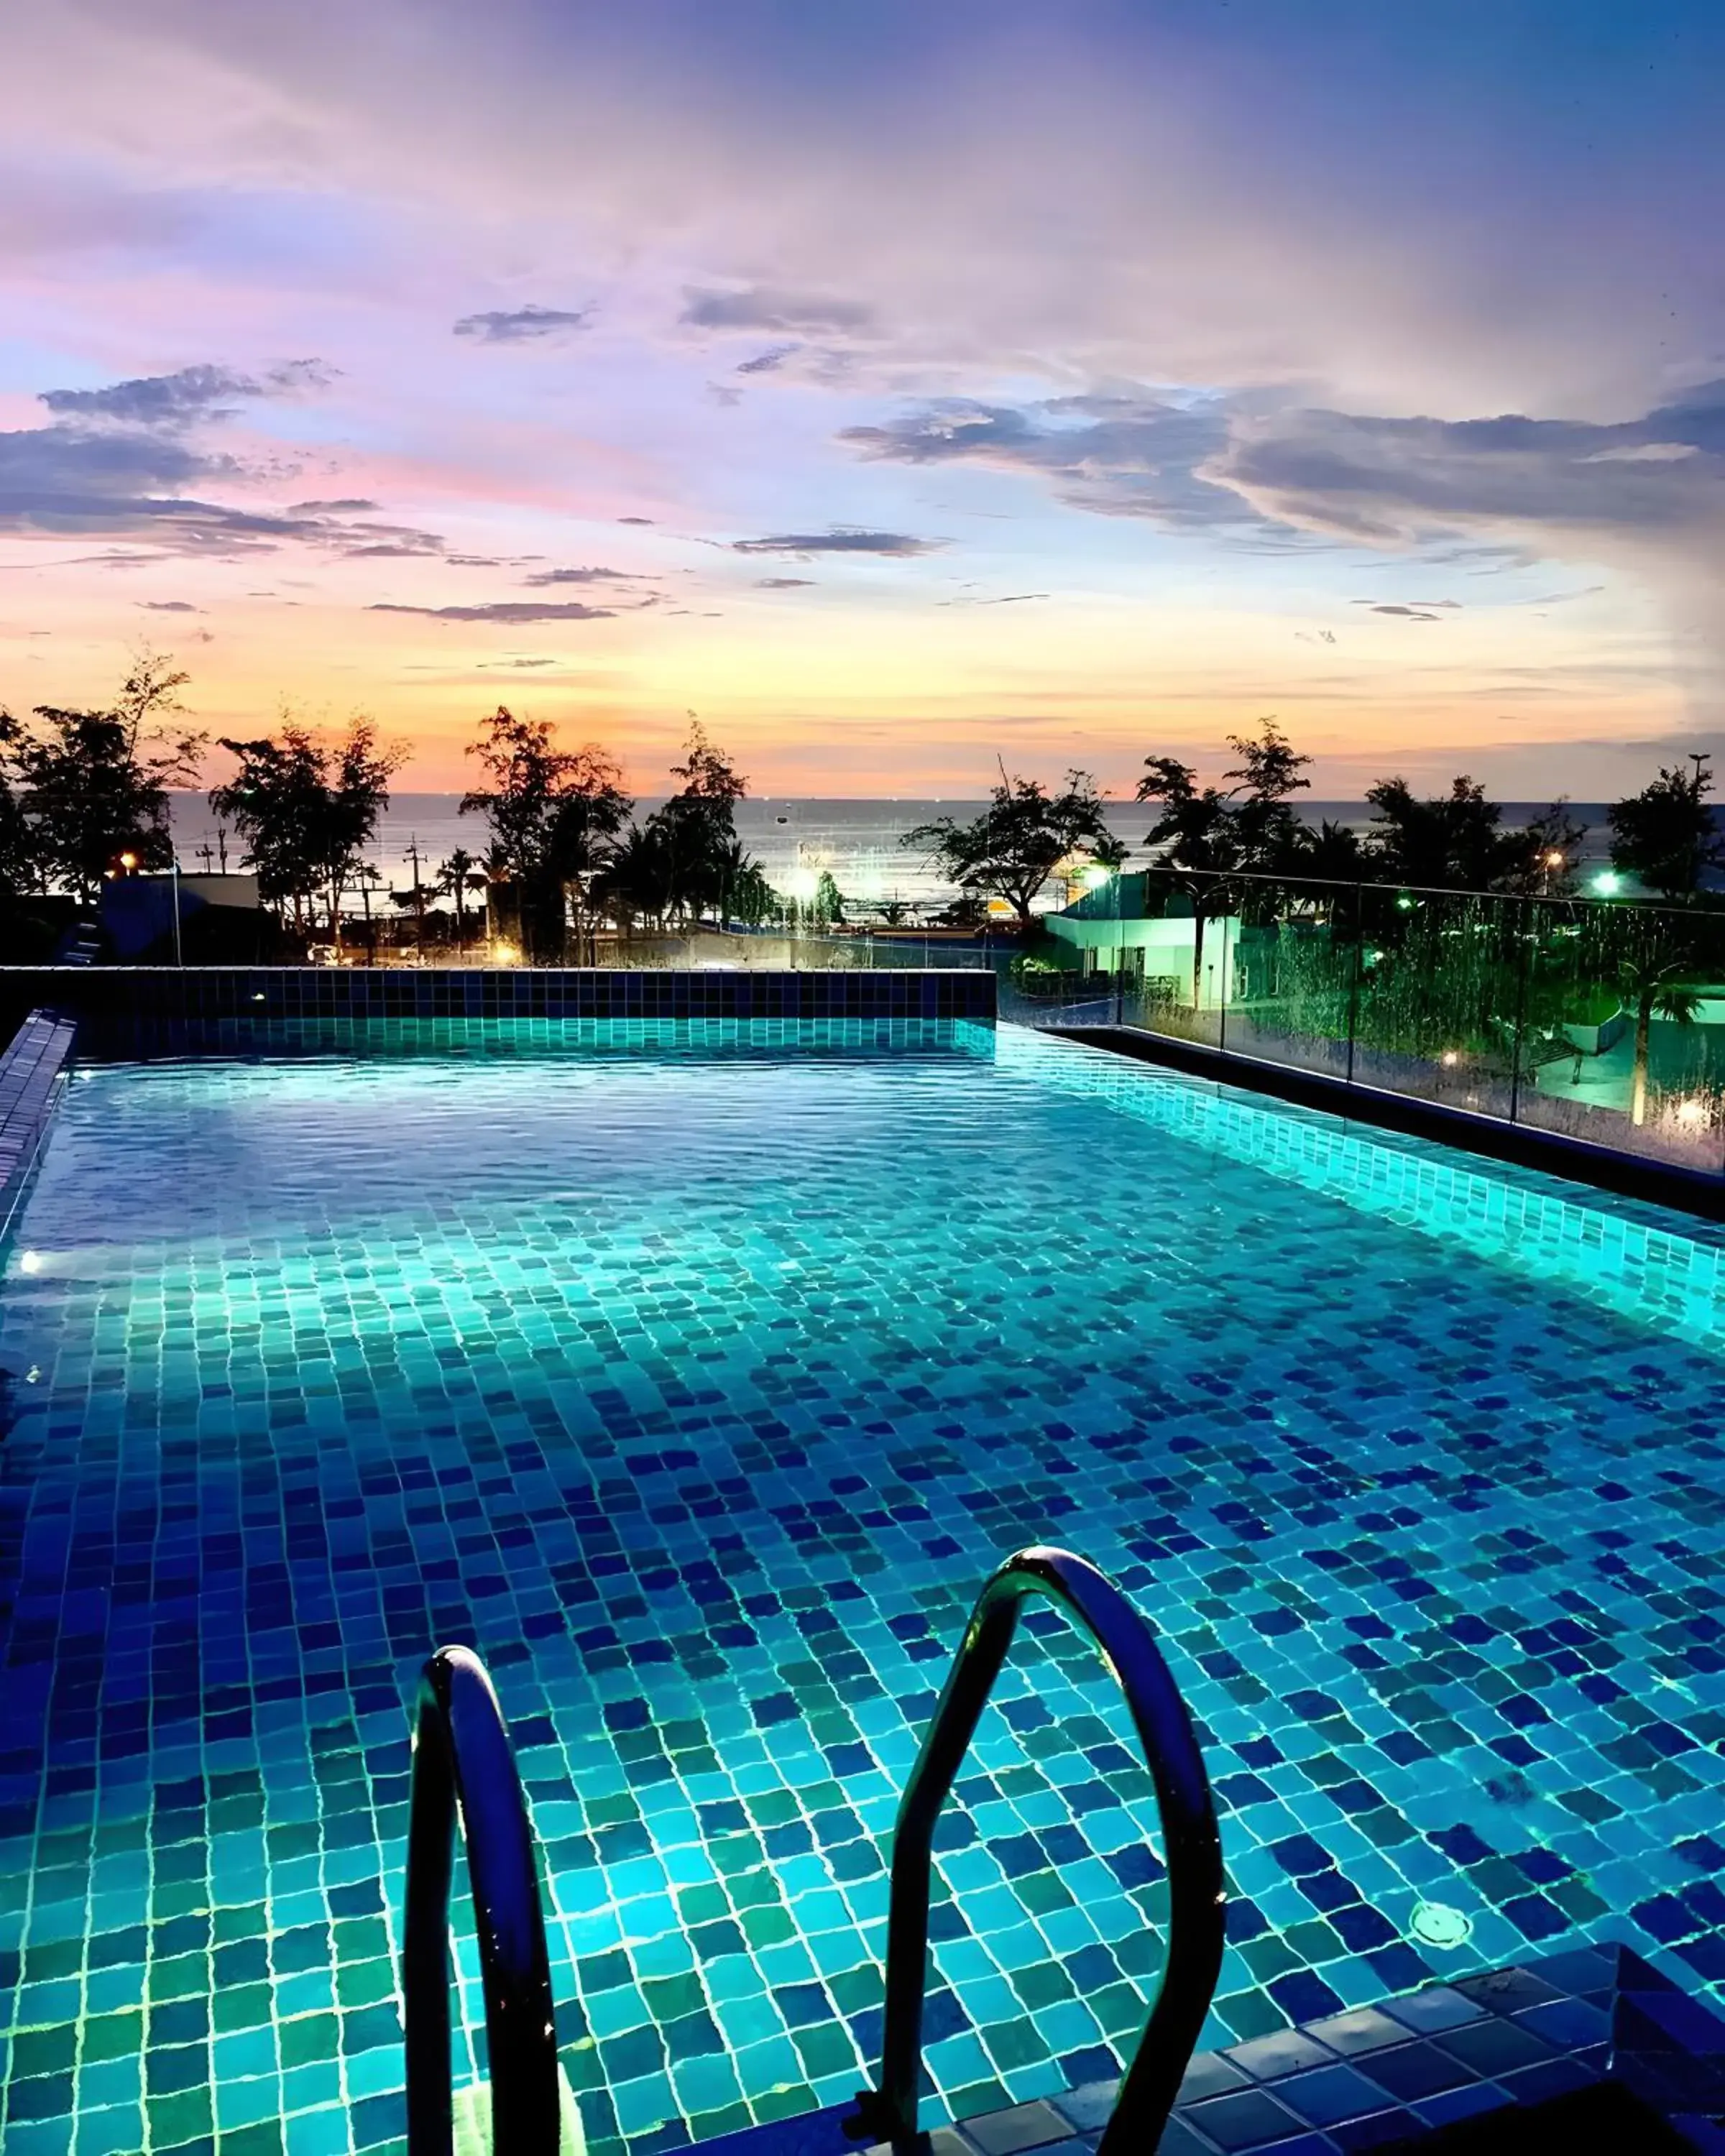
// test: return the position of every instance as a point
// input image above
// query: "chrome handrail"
(463, 1762)
(1191, 1845)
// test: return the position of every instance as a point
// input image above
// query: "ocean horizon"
(859, 840)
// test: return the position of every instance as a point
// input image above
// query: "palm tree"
(1652, 988)
(367, 876)
(455, 877)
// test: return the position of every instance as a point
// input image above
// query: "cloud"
(783, 583)
(591, 576)
(522, 325)
(355, 506)
(634, 520)
(1408, 612)
(503, 610)
(842, 539)
(169, 606)
(765, 362)
(1395, 480)
(1007, 598)
(182, 399)
(762, 307)
(1119, 455)
(492, 665)
(148, 482)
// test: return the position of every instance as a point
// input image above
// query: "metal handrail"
(1191, 1844)
(463, 1761)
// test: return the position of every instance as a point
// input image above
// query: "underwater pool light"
(30, 1261)
(1691, 1112)
(1435, 1924)
(1608, 883)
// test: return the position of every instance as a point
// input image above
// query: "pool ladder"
(463, 1764)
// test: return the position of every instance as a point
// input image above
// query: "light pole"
(179, 955)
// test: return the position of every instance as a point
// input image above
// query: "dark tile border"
(1383, 2076)
(1654, 1183)
(148, 1006)
(32, 1069)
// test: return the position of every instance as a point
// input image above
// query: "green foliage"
(1665, 835)
(553, 814)
(306, 809)
(83, 787)
(1020, 840)
(1456, 842)
(1213, 830)
(460, 877)
(685, 862)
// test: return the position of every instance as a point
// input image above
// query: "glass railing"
(1603, 1020)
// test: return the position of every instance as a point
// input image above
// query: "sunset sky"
(898, 386)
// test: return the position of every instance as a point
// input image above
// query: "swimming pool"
(700, 1393)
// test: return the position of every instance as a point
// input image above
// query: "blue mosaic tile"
(699, 1392)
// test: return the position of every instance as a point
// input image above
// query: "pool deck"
(1381, 2076)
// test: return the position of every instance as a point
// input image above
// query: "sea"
(861, 843)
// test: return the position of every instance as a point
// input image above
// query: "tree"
(1334, 852)
(634, 883)
(93, 785)
(554, 815)
(1457, 841)
(307, 809)
(685, 861)
(1650, 987)
(17, 866)
(1020, 840)
(1215, 832)
(455, 877)
(1665, 835)
(750, 898)
(828, 904)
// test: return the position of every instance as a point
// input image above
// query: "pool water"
(700, 1396)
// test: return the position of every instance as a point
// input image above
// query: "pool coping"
(33, 1075)
(1504, 2038)
(1552, 1152)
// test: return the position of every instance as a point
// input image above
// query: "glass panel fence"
(1293, 948)
(1624, 1038)
(1438, 1005)
(1600, 1020)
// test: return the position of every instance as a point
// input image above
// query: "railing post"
(1524, 943)
(463, 1762)
(1191, 1845)
(1354, 985)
